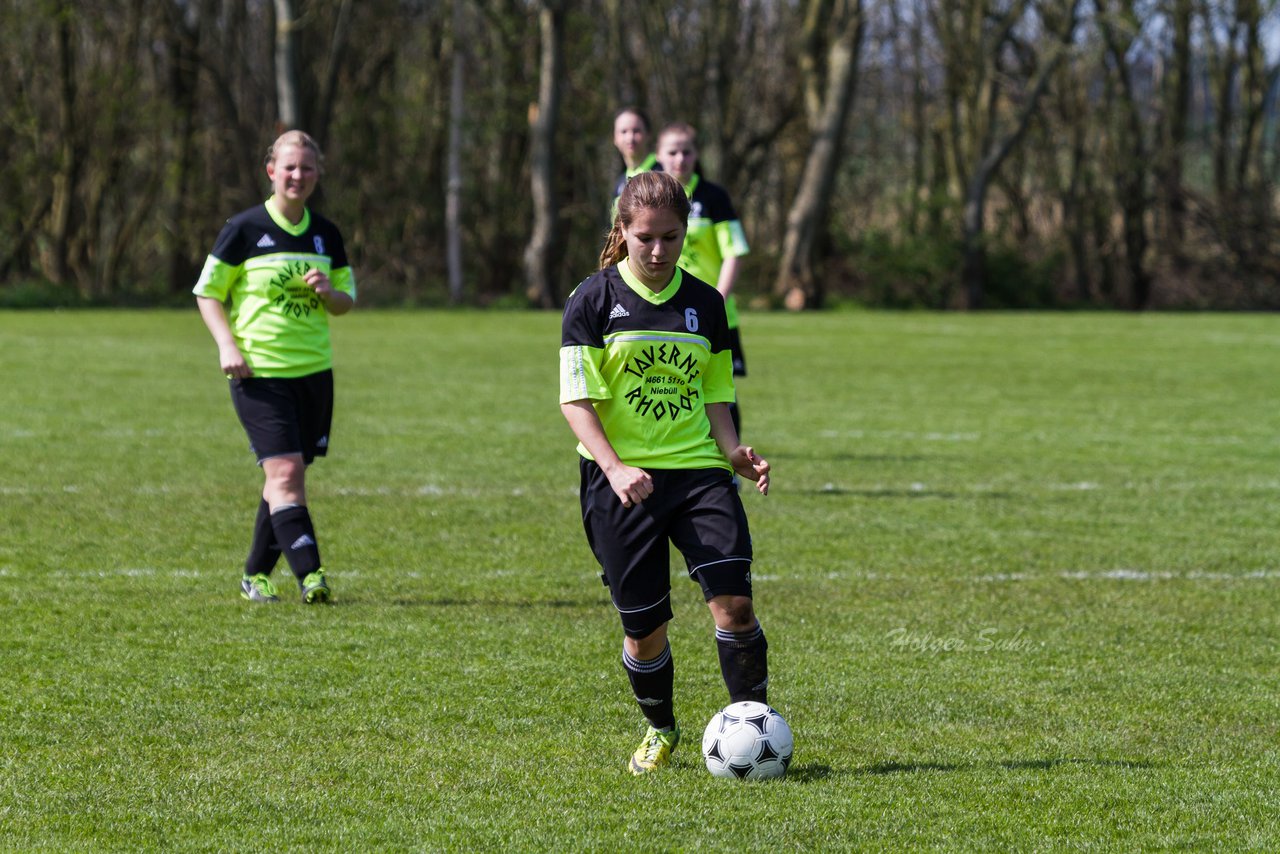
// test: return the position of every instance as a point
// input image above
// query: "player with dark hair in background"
(276, 273)
(715, 240)
(645, 384)
(631, 138)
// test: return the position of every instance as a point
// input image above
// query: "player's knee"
(734, 613)
(288, 472)
(649, 646)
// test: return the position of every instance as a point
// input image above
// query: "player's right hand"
(233, 363)
(630, 484)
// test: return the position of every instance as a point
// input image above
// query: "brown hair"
(300, 139)
(646, 191)
(635, 111)
(678, 127)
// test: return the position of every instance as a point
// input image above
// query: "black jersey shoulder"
(582, 323)
(711, 201)
(604, 304)
(621, 183)
(253, 233)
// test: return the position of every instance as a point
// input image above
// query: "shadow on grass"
(882, 768)
(860, 458)
(907, 493)
(811, 773)
(493, 602)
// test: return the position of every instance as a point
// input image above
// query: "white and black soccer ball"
(747, 740)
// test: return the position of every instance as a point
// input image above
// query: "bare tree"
(1170, 154)
(540, 254)
(288, 101)
(333, 67)
(1129, 158)
(453, 191)
(829, 90)
(986, 47)
(71, 149)
(1243, 214)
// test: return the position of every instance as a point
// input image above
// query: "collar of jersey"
(646, 165)
(692, 185)
(280, 220)
(633, 282)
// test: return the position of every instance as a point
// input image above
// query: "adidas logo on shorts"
(265, 242)
(618, 311)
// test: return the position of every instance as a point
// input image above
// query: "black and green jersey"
(256, 268)
(649, 363)
(646, 165)
(715, 233)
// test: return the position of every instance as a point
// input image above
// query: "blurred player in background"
(715, 240)
(631, 138)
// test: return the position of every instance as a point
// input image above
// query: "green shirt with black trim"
(647, 165)
(256, 270)
(649, 363)
(715, 233)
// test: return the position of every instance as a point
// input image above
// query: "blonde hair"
(300, 139)
(646, 191)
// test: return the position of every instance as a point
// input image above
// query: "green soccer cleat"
(314, 589)
(258, 588)
(655, 751)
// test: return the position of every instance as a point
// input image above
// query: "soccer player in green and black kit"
(715, 240)
(630, 137)
(276, 273)
(645, 383)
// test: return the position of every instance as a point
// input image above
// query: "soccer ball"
(747, 740)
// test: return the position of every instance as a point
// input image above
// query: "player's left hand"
(748, 464)
(319, 282)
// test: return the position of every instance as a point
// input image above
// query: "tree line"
(936, 153)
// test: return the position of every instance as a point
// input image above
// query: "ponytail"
(615, 245)
(646, 191)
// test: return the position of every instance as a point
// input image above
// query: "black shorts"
(739, 358)
(697, 510)
(285, 415)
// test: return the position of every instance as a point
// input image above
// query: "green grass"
(1019, 575)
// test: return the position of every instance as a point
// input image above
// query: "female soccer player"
(715, 240)
(645, 382)
(276, 273)
(630, 137)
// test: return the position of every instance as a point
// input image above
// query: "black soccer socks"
(296, 537)
(653, 683)
(744, 663)
(264, 551)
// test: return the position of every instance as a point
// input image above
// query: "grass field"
(1019, 573)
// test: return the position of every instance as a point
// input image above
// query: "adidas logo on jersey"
(618, 311)
(265, 242)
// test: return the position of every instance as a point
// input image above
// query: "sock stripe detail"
(650, 666)
(740, 639)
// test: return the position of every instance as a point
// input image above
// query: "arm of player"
(743, 458)
(630, 484)
(230, 359)
(728, 276)
(335, 301)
